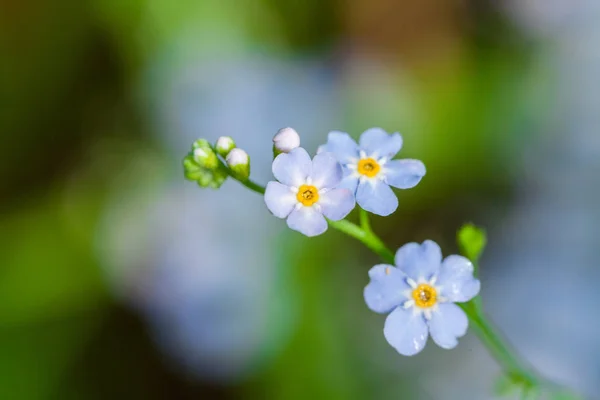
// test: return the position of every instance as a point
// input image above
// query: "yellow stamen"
(308, 195)
(425, 296)
(368, 167)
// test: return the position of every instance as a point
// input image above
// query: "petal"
(419, 261)
(308, 221)
(336, 203)
(350, 180)
(342, 145)
(376, 196)
(404, 174)
(326, 171)
(280, 199)
(405, 331)
(447, 324)
(386, 289)
(456, 279)
(378, 143)
(292, 168)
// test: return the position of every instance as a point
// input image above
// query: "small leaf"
(471, 241)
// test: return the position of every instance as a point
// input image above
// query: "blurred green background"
(118, 280)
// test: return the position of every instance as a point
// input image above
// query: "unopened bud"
(224, 145)
(285, 140)
(206, 157)
(239, 163)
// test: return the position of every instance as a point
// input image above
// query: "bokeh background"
(120, 280)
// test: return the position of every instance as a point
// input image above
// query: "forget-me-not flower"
(369, 170)
(419, 293)
(306, 191)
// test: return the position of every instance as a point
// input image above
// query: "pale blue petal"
(419, 261)
(326, 171)
(292, 168)
(405, 331)
(308, 221)
(280, 199)
(350, 181)
(447, 324)
(456, 279)
(376, 142)
(336, 203)
(386, 289)
(404, 174)
(342, 145)
(376, 196)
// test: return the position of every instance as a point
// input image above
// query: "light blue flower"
(369, 170)
(306, 191)
(419, 293)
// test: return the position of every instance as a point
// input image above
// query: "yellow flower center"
(308, 195)
(368, 167)
(425, 295)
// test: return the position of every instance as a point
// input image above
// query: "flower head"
(286, 140)
(419, 293)
(369, 170)
(306, 193)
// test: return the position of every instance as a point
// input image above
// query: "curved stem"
(513, 367)
(250, 184)
(368, 238)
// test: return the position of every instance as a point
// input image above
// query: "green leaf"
(471, 241)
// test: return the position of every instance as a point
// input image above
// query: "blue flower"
(419, 293)
(369, 170)
(306, 191)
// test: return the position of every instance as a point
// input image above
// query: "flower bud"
(239, 163)
(206, 157)
(224, 145)
(286, 140)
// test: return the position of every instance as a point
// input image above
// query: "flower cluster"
(210, 165)
(420, 291)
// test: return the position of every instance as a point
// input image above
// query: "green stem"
(250, 184)
(368, 238)
(364, 221)
(504, 355)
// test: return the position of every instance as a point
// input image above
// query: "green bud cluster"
(203, 166)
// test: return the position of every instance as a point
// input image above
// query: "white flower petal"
(419, 261)
(337, 203)
(292, 168)
(280, 200)
(326, 171)
(405, 331)
(447, 324)
(308, 221)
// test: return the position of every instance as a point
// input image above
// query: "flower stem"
(513, 367)
(367, 237)
(250, 184)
